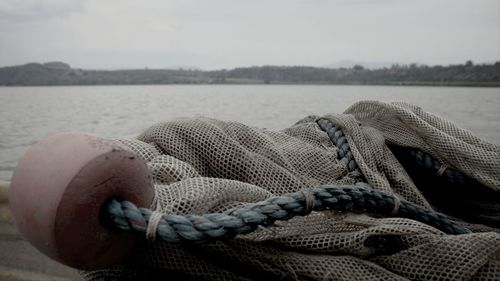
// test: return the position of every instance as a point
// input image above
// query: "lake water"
(30, 113)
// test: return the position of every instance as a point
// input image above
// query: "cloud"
(230, 33)
(32, 10)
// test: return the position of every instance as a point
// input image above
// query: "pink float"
(57, 192)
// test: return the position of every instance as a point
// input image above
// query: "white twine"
(397, 204)
(441, 170)
(309, 199)
(154, 220)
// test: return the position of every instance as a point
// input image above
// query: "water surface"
(30, 113)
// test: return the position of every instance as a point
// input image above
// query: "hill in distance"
(60, 73)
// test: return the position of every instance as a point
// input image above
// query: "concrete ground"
(19, 261)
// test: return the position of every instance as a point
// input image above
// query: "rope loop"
(357, 198)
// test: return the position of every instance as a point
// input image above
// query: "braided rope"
(422, 158)
(218, 226)
(436, 167)
(359, 198)
(340, 141)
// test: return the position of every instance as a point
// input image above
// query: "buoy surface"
(57, 192)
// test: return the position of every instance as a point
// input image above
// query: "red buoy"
(57, 192)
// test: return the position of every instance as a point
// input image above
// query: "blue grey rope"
(420, 157)
(339, 140)
(359, 198)
(450, 175)
(356, 198)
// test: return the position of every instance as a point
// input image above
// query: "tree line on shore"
(58, 73)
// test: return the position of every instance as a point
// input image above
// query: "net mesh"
(204, 165)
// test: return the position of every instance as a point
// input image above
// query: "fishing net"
(204, 165)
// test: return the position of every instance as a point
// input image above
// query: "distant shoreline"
(277, 83)
(61, 74)
(492, 85)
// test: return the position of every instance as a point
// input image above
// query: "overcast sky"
(213, 34)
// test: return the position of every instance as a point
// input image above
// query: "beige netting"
(204, 165)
